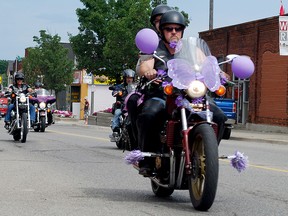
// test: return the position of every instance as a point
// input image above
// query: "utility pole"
(211, 14)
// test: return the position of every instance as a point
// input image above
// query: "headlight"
(22, 98)
(35, 105)
(196, 89)
(48, 105)
(42, 105)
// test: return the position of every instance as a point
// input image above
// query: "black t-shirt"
(155, 90)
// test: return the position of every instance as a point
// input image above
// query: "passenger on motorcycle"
(120, 91)
(151, 116)
(18, 84)
(155, 17)
(38, 85)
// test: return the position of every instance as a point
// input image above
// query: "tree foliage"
(48, 59)
(107, 32)
(3, 66)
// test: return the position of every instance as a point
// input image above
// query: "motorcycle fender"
(42, 113)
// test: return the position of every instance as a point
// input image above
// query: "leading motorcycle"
(20, 115)
(188, 159)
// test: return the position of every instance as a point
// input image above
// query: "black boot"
(7, 125)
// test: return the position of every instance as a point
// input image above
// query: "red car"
(3, 106)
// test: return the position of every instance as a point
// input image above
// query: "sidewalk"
(238, 133)
(250, 135)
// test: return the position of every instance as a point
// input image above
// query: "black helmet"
(128, 73)
(19, 76)
(158, 10)
(37, 84)
(172, 17)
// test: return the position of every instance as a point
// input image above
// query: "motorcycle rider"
(18, 84)
(120, 91)
(155, 17)
(38, 85)
(152, 115)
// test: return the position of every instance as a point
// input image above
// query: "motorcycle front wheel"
(42, 124)
(205, 166)
(24, 127)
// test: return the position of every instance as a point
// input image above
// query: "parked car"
(228, 106)
(3, 106)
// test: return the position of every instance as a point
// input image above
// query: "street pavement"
(238, 133)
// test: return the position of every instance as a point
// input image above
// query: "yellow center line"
(261, 167)
(78, 135)
(224, 160)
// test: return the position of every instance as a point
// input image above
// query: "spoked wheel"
(205, 167)
(24, 127)
(42, 124)
(161, 191)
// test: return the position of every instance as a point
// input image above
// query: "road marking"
(261, 167)
(224, 160)
(78, 135)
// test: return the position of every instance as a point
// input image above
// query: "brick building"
(263, 99)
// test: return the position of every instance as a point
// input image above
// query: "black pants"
(149, 123)
(219, 118)
(133, 109)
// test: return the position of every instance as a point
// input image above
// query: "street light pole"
(211, 14)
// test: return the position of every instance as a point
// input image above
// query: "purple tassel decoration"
(134, 157)
(173, 44)
(239, 161)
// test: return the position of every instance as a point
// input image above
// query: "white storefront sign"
(283, 35)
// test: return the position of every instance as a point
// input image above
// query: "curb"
(267, 140)
(240, 134)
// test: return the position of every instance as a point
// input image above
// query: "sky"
(22, 19)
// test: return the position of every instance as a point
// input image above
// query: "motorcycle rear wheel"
(24, 127)
(205, 167)
(161, 191)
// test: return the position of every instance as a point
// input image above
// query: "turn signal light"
(221, 91)
(168, 89)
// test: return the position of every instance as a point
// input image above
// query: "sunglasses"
(170, 29)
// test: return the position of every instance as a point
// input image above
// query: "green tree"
(154, 3)
(49, 59)
(120, 47)
(107, 31)
(3, 66)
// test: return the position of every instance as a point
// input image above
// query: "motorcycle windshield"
(42, 92)
(193, 61)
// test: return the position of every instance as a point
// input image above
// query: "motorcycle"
(42, 104)
(124, 139)
(20, 115)
(188, 159)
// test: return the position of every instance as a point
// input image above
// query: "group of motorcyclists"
(148, 118)
(34, 94)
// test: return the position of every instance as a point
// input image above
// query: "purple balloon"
(243, 67)
(147, 40)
